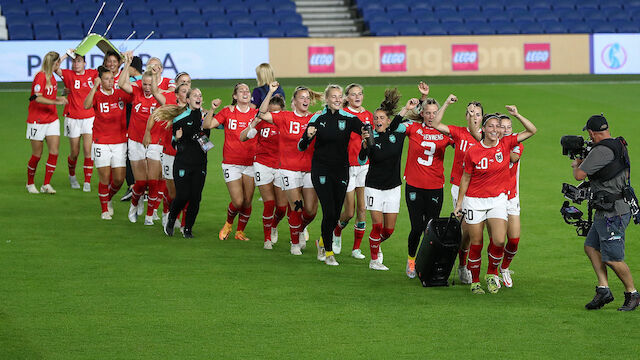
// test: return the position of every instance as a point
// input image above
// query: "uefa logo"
(614, 56)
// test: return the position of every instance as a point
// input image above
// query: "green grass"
(74, 286)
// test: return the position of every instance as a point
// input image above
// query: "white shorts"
(385, 201)
(295, 179)
(73, 128)
(357, 176)
(235, 172)
(167, 166)
(114, 155)
(455, 190)
(266, 175)
(138, 152)
(40, 131)
(481, 209)
(513, 206)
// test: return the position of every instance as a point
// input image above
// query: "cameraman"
(608, 169)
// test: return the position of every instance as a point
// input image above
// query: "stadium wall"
(361, 57)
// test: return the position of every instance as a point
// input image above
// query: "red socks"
(358, 234)
(152, 202)
(475, 260)
(385, 234)
(137, 191)
(31, 169)
(243, 219)
(113, 189)
(306, 219)
(103, 196)
(88, 169)
(338, 230)
(72, 166)
(231, 213)
(295, 222)
(374, 240)
(510, 251)
(268, 218)
(494, 254)
(281, 211)
(51, 167)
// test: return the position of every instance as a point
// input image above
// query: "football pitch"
(73, 286)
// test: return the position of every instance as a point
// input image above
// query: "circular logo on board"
(614, 56)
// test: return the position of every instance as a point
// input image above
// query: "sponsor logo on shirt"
(393, 58)
(321, 59)
(537, 56)
(464, 57)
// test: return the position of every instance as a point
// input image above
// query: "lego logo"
(465, 57)
(392, 58)
(321, 59)
(537, 56)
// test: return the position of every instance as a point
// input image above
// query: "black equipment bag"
(438, 249)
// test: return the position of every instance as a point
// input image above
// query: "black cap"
(136, 63)
(596, 123)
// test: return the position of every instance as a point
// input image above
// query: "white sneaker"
(331, 260)
(165, 219)
(274, 235)
(268, 245)
(506, 277)
(133, 213)
(337, 244)
(73, 182)
(295, 249)
(31, 189)
(155, 214)
(86, 187)
(110, 207)
(464, 275)
(321, 254)
(380, 254)
(302, 242)
(376, 265)
(47, 189)
(306, 234)
(105, 216)
(140, 207)
(178, 225)
(357, 253)
(148, 220)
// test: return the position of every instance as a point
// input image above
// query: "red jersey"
(292, 126)
(462, 141)
(141, 109)
(268, 148)
(514, 172)
(79, 87)
(41, 113)
(165, 84)
(424, 168)
(110, 124)
(236, 152)
(167, 133)
(489, 168)
(355, 143)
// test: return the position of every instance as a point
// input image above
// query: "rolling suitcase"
(438, 251)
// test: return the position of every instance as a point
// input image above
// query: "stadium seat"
(398, 13)
(580, 28)
(621, 16)
(12, 13)
(21, 20)
(211, 12)
(555, 28)
(45, 32)
(467, 14)
(401, 23)
(172, 33)
(380, 17)
(248, 33)
(540, 5)
(529, 27)
(20, 32)
(434, 30)
(120, 32)
(604, 28)
(159, 13)
(272, 32)
(563, 6)
(521, 7)
(142, 30)
(188, 12)
(444, 6)
(587, 6)
(492, 8)
(421, 6)
(475, 22)
(421, 14)
(387, 30)
(483, 29)
(397, 6)
(37, 12)
(268, 7)
(412, 30)
(445, 13)
(267, 22)
(296, 31)
(142, 7)
(469, 6)
(259, 14)
(630, 27)
(59, 14)
(508, 28)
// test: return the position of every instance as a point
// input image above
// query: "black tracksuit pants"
(189, 182)
(423, 205)
(331, 187)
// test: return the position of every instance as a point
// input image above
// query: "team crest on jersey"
(342, 124)
(412, 196)
(121, 104)
(181, 172)
(392, 139)
(323, 179)
(499, 157)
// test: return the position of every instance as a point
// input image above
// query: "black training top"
(385, 158)
(333, 131)
(188, 150)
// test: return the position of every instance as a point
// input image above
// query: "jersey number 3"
(430, 149)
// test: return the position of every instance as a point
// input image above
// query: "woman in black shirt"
(190, 165)
(383, 183)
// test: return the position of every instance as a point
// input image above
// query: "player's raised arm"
(88, 101)
(209, 121)
(263, 112)
(437, 123)
(123, 81)
(530, 129)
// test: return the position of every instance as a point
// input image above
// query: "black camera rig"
(574, 146)
(571, 214)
